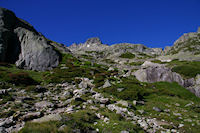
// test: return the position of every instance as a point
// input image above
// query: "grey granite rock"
(36, 53)
(158, 73)
(21, 43)
(43, 104)
(50, 117)
(106, 84)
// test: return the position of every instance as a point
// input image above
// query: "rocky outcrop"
(155, 72)
(20, 43)
(195, 86)
(95, 44)
(36, 53)
(92, 44)
(94, 40)
(188, 42)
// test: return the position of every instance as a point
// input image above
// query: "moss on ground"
(127, 55)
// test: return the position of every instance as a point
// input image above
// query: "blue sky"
(154, 23)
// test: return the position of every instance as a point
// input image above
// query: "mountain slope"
(93, 87)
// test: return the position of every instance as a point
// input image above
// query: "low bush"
(187, 70)
(21, 78)
(46, 127)
(127, 55)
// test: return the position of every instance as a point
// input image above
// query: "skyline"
(152, 23)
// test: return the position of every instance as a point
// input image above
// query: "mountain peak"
(94, 40)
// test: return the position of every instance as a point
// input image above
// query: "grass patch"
(46, 127)
(136, 63)
(127, 55)
(188, 69)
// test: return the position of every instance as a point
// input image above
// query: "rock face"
(92, 44)
(188, 42)
(195, 87)
(20, 43)
(158, 73)
(9, 46)
(36, 53)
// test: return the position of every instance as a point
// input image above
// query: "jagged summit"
(91, 44)
(94, 40)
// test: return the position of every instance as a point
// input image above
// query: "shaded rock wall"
(20, 43)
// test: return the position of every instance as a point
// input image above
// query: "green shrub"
(46, 127)
(136, 63)
(82, 120)
(187, 70)
(5, 98)
(132, 90)
(127, 55)
(21, 78)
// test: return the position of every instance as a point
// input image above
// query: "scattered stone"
(176, 114)
(173, 130)
(85, 83)
(3, 130)
(43, 104)
(94, 108)
(140, 102)
(102, 105)
(180, 125)
(106, 84)
(104, 100)
(123, 103)
(30, 116)
(134, 102)
(141, 111)
(64, 68)
(40, 89)
(51, 117)
(3, 92)
(106, 119)
(61, 128)
(124, 132)
(111, 69)
(157, 109)
(120, 89)
(188, 120)
(189, 104)
(167, 110)
(7, 122)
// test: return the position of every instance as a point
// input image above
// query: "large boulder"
(36, 53)
(156, 73)
(20, 43)
(195, 87)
